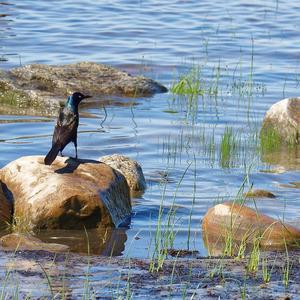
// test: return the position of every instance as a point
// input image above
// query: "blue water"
(253, 44)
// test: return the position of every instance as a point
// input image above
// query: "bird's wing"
(65, 129)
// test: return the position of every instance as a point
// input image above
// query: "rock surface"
(282, 121)
(131, 170)
(17, 241)
(208, 278)
(37, 84)
(245, 224)
(68, 194)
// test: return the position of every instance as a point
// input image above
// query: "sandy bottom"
(40, 274)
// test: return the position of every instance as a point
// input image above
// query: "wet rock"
(242, 223)
(5, 206)
(69, 194)
(18, 241)
(44, 85)
(282, 122)
(131, 170)
(259, 194)
(182, 252)
(291, 185)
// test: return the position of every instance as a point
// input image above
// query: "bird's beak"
(87, 96)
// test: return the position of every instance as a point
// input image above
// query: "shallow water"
(249, 52)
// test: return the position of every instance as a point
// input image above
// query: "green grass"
(189, 83)
(229, 146)
(270, 140)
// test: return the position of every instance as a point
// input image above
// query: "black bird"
(65, 130)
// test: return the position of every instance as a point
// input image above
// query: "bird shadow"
(72, 164)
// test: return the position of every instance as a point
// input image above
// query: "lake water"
(249, 59)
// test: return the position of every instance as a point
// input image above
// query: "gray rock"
(131, 170)
(36, 85)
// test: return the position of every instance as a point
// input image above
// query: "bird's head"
(74, 100)
(78, 97)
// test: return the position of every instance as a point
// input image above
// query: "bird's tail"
(50, 157)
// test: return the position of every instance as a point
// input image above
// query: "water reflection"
(286, 157)
(100, 241)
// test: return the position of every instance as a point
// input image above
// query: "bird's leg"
(61, 154)
(75, 144)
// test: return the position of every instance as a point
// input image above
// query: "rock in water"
(258, 194)
(245, 224)
(68, 194)
(39, 85)
(131, 170)
(282, 122)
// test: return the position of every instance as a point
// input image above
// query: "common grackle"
(65, 130)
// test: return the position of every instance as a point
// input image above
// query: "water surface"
(248, 55)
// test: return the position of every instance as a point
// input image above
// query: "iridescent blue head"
(74, 100)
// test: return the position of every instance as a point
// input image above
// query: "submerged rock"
(131, 170)
(40, 85)
(259, 194)
(18, 241)
(97, 241)
(281, 123)
(70, 194)
(240, 223)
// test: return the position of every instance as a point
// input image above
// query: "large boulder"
(281, 123)
(236, 222)
(39, 85)
(131, 170)
(68, 194)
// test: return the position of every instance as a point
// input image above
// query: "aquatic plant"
(228, 147)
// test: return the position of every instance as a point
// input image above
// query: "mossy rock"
(48, 86)
(281, 124)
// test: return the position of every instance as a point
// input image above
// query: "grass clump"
(229, 146)
(20, 224)
(270, 140)
(189, 84)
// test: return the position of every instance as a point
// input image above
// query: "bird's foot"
(74, 158)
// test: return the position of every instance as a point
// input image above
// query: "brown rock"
(68, 194)
(259, 194)
(131, 170)
(245, 224)
(282, 122)
(17, 241)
